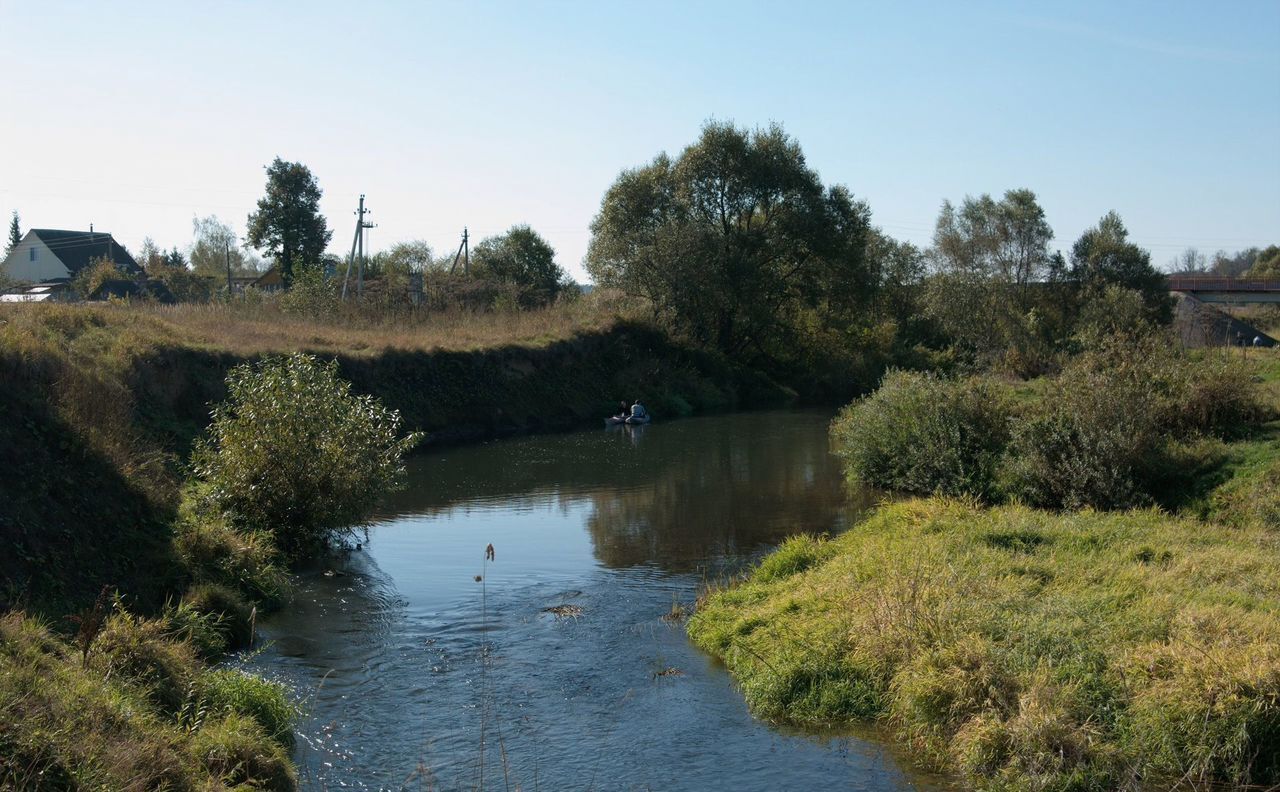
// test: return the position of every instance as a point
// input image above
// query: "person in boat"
(623, 410)
(638, 412)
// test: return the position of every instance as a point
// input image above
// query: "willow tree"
(736, 242)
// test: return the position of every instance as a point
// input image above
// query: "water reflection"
(413, 671)
(677, 496)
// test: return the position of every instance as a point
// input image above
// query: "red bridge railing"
(1198, 283)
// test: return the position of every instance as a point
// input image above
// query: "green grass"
(1021, 649)
(110, 723)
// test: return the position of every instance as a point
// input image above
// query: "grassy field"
(1026, 649)
(254, 328)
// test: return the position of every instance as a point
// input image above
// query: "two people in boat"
(636, 411)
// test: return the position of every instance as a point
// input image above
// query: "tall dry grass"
(257, 327)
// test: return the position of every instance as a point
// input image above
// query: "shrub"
(923, 433)
(294, 453)
(1098, 438)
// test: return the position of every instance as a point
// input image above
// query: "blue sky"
(138, 116)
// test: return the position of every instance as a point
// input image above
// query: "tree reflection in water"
(676, 495)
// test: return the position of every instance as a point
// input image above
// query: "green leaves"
(294, 453)
(734, 238)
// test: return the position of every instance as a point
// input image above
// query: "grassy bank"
(1030, 649)
(136, 712)
(1024, 649)
(99, 407)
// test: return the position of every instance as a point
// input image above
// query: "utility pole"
(357, 245)
(226, 250)
(464, 251)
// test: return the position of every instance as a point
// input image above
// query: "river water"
(416, 675)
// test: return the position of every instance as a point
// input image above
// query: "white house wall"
(46, 267)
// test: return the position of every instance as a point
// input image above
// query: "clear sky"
(138, 116)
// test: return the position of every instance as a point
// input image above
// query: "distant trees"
(1103, 255)
(1189, 262)
(736, 242)
(15, 233)
(214, 246)
(991, 262)
(522, 259)
(288, 225)
(1267, 264)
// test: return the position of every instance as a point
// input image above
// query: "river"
(424, 666)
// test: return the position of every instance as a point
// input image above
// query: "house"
(48, 256)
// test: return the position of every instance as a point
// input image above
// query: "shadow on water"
(557, 671)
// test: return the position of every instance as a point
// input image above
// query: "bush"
(294, 453)
(1099, 437)
(922, 433)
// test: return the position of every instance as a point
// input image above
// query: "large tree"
(523, 259)
(288, 225)
(736, 241)
(1103, 255)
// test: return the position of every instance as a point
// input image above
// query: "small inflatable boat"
(630, 420)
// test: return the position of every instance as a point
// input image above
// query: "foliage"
(288, 224)
(1023, 649)
(997, 290)
(312, 294)
(1097, 438)
(214, 250)
(1267, 264)
(923, 433)
(90, 279)
(1103, 255)
(186, 286)
(733, 239)
(522, 258)
(292, 452)
(15, 233)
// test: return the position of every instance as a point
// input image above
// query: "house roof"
(77, 249)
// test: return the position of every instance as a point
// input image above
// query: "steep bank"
(99, 406)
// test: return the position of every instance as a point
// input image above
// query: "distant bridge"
(1227, 290)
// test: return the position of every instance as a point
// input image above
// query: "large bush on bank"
(292, 451)
(923, 433)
